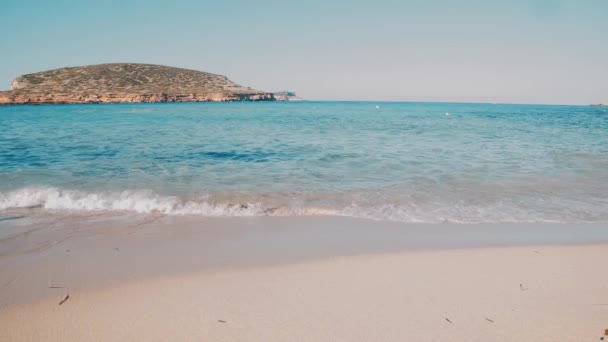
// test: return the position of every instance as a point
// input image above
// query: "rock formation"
(126, 83)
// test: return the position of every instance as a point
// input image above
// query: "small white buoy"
(377, 107)
(447, 114)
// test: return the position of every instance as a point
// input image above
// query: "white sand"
(390, 297)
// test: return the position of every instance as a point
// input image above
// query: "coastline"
(10, 98)
(503, 294)
(322, 278)
(85, 252)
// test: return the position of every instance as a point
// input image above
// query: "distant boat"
(598, 105)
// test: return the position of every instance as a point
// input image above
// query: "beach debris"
(522, 288)
(448, 320)
(118, 250)
(64, 299)
(8, 283)
(489, 320)
(221, 321)
(67, 251)
(56, 287)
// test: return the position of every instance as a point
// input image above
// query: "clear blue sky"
(523, 51)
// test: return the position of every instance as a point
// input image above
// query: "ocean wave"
(139, 201)
(369, 205)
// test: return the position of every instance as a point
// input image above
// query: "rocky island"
(126, 83)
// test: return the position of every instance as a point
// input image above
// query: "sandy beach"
(310, 171)
(358, 290)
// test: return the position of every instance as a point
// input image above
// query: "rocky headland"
(126, 83)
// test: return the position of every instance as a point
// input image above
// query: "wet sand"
(286, 278)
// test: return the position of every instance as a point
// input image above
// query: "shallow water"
(409, 162)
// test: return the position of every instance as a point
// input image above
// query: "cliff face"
(126, 83)
(13, 98)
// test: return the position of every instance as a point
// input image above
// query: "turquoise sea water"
(410, 162)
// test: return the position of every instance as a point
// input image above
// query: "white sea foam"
(438, 209)
(140, 201)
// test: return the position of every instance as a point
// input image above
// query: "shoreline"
(87, 253)
(130, 277)
(17, 99)
(524, 293)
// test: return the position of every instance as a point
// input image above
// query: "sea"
(393, 161)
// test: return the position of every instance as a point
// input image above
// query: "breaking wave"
(369, 205)
(139, 201)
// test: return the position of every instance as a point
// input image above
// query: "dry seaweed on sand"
(64, 299)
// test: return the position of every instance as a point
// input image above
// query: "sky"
(517, 51)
